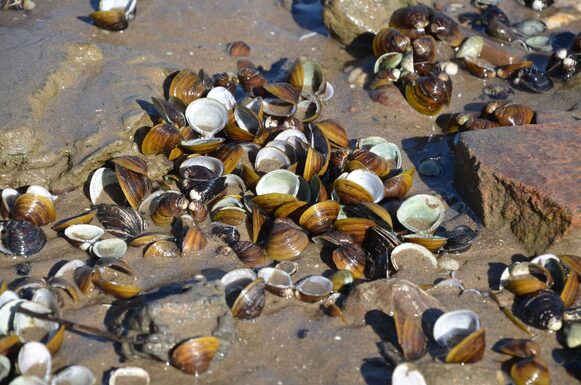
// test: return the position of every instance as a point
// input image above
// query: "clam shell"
(194, 356)
(469, 350)
(147, 238)
(334, 132)
(34, 359)
(84, 235)
(271, 202)
(162, 249)
(229, 154)
(271, 158)
(351, 258)
(389, 40)
(228, 234)
(127, 5)
(354, 227)
(542, 310)
(167, 206)
(421, 213)
(5, 367)
(187, 86)
(111, 248)
(277, 281)
(193, 241)
(222, 95)
(28, 380)
(206, 116)
(249, 253)
(432, 243)
(452, 327)
(201, 145)
(341, 279)
(521, 348)
(237, 280)
(134, 374)
(9, 195)
(33, 329)
(286, 240)
(370, 161)
(36, 209)
(278, 181)
(250, 302)
(407, 374)
(214, 165)
(307, 75)
(319, 218)
(313, 288)
(171, 112)
(530, 371)
(22, 238)
(112, 20)
(409, 250)
(359, 186)
(135, 185)
(74, 375)
(123, 222)
(82, 218)
(101, 181)
(472, 47)
(390, 152)
(160, 139)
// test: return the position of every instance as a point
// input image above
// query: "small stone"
(23, 268)
(303, 333)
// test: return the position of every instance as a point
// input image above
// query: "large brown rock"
(526, 177)
(348, 19)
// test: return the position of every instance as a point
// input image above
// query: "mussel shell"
(410, 336)
(460, 239)
(350, 257)
(238, 48)
(469, 350)
(193, 240)
(390, 40)
(23, 238)
(171, 113)
(228, 234)
(226, 80)
(372, 211)
(135, 185)
(334, 132)
(167, 206)
(278, 182)
(123, 222)
(479, 67)
(398, 186)
(530, 371)
(250, 302)
(534, 80)
(500, 30)
(286, 240)
(542, 310)
(421, 213)
(355, 227)
(307, 75)
(445, 29)
(229, 154)
(250, 78)
(249, 253)
(411, 20)
(319, 218)
(187, 86)
(521, 348)
(332, 238)
(424, 49)
(370, 161)
(454, 326)
(514, 115)
(82, 218)
(162, 249)
(378, 243)
(112, 20)
(195, 355)
(207, 191)
(34, 208)
(277, 281)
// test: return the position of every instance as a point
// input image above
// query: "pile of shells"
(526, 365)
(494, 114)
(114, 15)
(544, 288)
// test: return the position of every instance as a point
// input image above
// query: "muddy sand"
(75, 95)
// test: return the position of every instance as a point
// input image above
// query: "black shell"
(534, 80)
(228, 234)
(411, 20)
(378, 243)
(120, 221)
(564, 68)
(495, 14)
(198, 174)
(209, 190)
(460, 239)
(543, 310)
(23, 238)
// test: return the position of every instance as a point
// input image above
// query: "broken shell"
(277, 281)
(280, 182)
(83, 218)
(359, 186)
(22, 238)
(123, 222)
(286, 240)
(356, 228)
(250, 302)
(319, 218)
(543, 310)
(187, 86)
(134, 374)
(111, 248)
(452, 327)
(521, 348)
(84, 235)
(530, 371)
(34, 359)
(160, 139)
(36, 209)
(195, 355)
(249, 253)
(469, 350)
(421, 213)
(112, 20)
(206, 116)
(313, 288)
(74, 375)
(351, 258)
(411, 250)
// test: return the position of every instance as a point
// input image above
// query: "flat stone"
(524, 177)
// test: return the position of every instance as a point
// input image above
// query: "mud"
(75, 95)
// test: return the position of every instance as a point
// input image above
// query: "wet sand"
(292, 342)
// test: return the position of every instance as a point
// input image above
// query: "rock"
(348, 19)
(192, 309)
(384, 295)
(525, 177)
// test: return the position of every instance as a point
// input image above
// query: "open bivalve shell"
(407, 374)
(277, 281)
(359, 186)
(280, 182)
(313, 288)
(74, 375)
(84, 235)
(421, 213)
(30, 328)
(250, 302)
(34, 359)
(136, 375)
(452, 327)
(128, 6)
(112, 248)
(207, 116)
(411, 250)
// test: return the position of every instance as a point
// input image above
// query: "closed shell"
(34, 208)
(286, 240)
(195, 355)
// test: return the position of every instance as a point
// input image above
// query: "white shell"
(277, 280)
(127, 5)
(84, 235)
(315, 285)
(111, 248)
(370, 141)
(278, 181)
(206, 116)
(401, 250)
(287, 148)
(7, 312)
(7, 296)
(222, 95)
(388, 151)
(369, 181)
(35, 359)
(454, 326)
(134, 372)
(213, 164)
(5, 366)
(28, 380)
(235, 180)
(329, 92)
(74, 375)
(102, 177)
(228, 201)
(9, 196)
(42, 191)
(237, 279)
(407, 374)
(69, 267)
(22, 321)
(47, 298)
(542, 259)
(427, 210)
(271, 153)
(292, 136)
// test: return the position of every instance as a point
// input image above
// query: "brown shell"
(194, 241)
(390, 40)
(194, 356)
(370, 161)
(355, 227)
(250, 301)
(573, 262)
(135, 186)
(83, 277)
(479, 67)
(162, 249)
(167, 206)
(132, 163)
(411, 20)
(318, 190)
(258, 220)
(570, 290)
(445, 29)
(270, 202)
(172, 114)
(424, 49)
(145, 239)
(313, 163)
(530, 371)
(431, 243)
(112, 20)
(319, 218)
(238, 48)
(339, 158)
(250, 78)
(510, 70)
(398, 186)
(428, 94)
(334, 132)
(230, 216)
(469, 350)
(201, 146)
(352, 258)
(36, 209)
(118, 290)
(410, 336)
(249, 253)
(80, 219)
(283, 91)
(227, 81)
(514, 115)
(286, 240)
(198, 211)
(292, 210)
(229, 154)
(521, 348)
(350, 192)
(187, 86)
